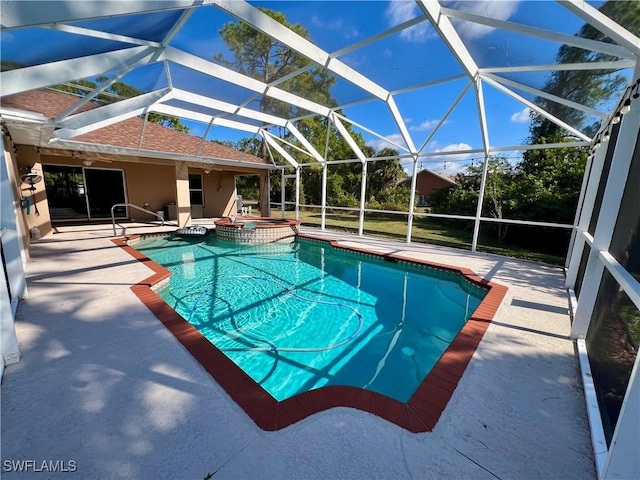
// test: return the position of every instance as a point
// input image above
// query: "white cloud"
(387, 53)
(332, 24)
(336, 24)
(501, 10)
(426, 125)
(400, 11)
(351, 32)
(379, 144)
(522, 116)
(451, 164)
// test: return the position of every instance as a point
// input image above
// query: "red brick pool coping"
(419, 414)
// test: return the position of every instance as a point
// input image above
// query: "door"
(65, 192)
(105, 188)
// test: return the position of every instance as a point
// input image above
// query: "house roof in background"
(425, 171)
(125, 134)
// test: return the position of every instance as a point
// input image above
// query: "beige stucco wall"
(14, 173)
(219, 193)
(152, 184)
(30, 157)
(146, 181)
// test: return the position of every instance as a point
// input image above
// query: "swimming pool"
(307, 317)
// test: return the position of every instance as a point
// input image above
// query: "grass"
(428, 231)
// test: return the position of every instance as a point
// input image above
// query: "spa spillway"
(256, 229)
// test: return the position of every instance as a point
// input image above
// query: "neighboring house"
(132, 161)
(427, 182)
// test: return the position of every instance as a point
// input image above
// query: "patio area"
(102, 382)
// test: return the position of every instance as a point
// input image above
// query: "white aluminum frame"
(19, 14)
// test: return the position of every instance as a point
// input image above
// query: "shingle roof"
(425, 171)
(126, 133)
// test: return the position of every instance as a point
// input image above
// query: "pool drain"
(408, 351)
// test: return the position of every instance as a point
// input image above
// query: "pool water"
(303, 315)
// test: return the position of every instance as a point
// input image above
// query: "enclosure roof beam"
(95, 119)
(38, 76)
(21, 14)
(397, 117)
(301, 138)
(101, 114)
(537, 109)
(228, 75)
(104, 35)
(560, 67)
(226, 107)
(267, 25)
(295, 147)
(347, 136)
(482, 117)
(175, 29)
(444, 27)
(446, 115)
(203, 118)
(603, 23)
(267, 136)
(580, 42)
(91, 95)
(368, 130)
(391, 31)
(548, 96)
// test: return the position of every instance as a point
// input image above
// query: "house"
(132, 162)
(427, 182)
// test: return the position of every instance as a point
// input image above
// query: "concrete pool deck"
(103, 383)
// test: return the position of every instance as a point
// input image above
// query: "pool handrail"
(131, 205)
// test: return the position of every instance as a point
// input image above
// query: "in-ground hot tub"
(256, 229)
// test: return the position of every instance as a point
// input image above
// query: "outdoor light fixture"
(606, 136)
(87, 163)
(207, 172)
(616, 118)
(626, 106)
(597, 144)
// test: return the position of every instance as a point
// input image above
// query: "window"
(604, 176)
(612, 343)
(196, 193)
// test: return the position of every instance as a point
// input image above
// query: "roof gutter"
(23, 116)
(134, 152)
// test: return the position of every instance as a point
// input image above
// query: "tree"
(547, 182)
(116, 92)
(588, 87)
(261, 57)
(266, 59)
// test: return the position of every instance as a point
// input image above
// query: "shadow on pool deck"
(103, 383)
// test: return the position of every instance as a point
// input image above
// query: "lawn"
(425, 230)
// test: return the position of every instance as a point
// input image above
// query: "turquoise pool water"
(299, 316)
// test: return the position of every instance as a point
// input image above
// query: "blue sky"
(410, 57)
(416, 56)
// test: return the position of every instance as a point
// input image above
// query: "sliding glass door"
(76, 193)
(105, 188)
(65, 192)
